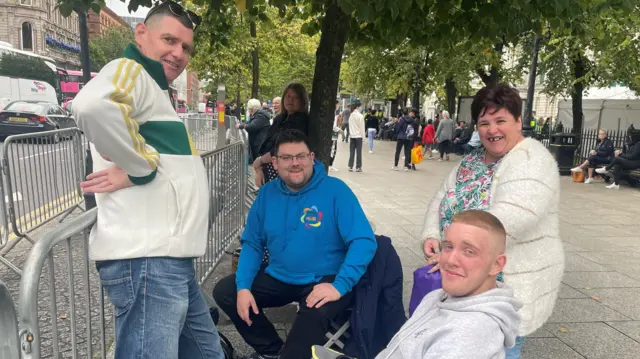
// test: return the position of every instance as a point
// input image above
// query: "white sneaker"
(406, 169)
(333, 169)
(394, 168)
(602, 170)
(439, 159)
(613, 186)
(370, 151)
(588, 180)
(576, 169)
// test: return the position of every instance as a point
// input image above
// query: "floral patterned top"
(472, 189)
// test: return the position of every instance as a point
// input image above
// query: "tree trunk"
(452, 95)
(576, 93)
(335, 26)
(491, 78)
(255, 62)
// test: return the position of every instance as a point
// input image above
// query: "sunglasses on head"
(177, 10)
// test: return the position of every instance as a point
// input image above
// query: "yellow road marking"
(47, 211)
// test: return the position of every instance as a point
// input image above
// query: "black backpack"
(227, 348)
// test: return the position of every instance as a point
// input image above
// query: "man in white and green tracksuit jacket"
(151, 191)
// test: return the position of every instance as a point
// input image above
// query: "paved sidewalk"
(597, 315)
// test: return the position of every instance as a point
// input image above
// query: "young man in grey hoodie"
(473, 315)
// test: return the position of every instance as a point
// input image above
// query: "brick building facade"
(99, 23)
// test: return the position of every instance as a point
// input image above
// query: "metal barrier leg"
(9, 345)
(10, 265)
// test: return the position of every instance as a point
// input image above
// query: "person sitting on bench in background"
(602, 155)
(320, 244)
(628, 160)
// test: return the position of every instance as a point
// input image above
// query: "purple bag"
(423, 283)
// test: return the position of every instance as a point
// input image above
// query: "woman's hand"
(259, 178)
(257, 164)
(431, 248)
(592, 153)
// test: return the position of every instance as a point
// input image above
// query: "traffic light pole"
(89, 199)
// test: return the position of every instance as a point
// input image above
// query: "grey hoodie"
(476, 327)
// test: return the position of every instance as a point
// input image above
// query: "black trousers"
(355, 149)
(619, 164)
(309, 327)
(407, 152)
(444, 147)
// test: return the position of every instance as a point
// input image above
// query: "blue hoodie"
(318, 231)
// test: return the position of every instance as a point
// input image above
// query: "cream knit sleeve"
(525, 188)
(431, 228)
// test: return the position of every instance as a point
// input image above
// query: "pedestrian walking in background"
(257, 127)
(346, 114)
(428, 139)
(404, 139)
(337, 130)
(356, 134)
(152, 195)
(372, 124)
(444, 135)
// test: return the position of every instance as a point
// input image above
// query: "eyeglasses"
(177, 10)
(301, 157)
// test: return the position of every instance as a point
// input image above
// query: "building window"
(25, 2)
(26, 37)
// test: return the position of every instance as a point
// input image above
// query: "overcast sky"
(120, 8)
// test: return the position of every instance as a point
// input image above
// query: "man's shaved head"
(156, 18)
(485, 220)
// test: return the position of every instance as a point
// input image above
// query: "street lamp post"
(528, 122)
(90, 200)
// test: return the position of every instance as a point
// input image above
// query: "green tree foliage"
(285, 55)
(109, 46)
(602, 49)
(16, 65)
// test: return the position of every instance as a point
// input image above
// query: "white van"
(23, 89)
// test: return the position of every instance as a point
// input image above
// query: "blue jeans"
(160, 312)
(370, 133)
(514, 353)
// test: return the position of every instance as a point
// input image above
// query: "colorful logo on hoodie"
(311, 217)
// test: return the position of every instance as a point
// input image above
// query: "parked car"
(21, 117)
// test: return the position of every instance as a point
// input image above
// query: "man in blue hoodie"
(320, 244)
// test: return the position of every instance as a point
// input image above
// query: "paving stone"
(629, 328)
(596, 340)
(622, 300)
(583, 310)
(567, 292)
(598, 280)
(548, 348)
(576, 263)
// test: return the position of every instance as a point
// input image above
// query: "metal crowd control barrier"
(42, 174)
(9, 344)
(227, 188)
(203, 131)
(53, 307)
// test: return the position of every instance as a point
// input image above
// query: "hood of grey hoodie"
(437, 308)
(499, 304)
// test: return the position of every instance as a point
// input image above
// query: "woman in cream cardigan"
(516, 179)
